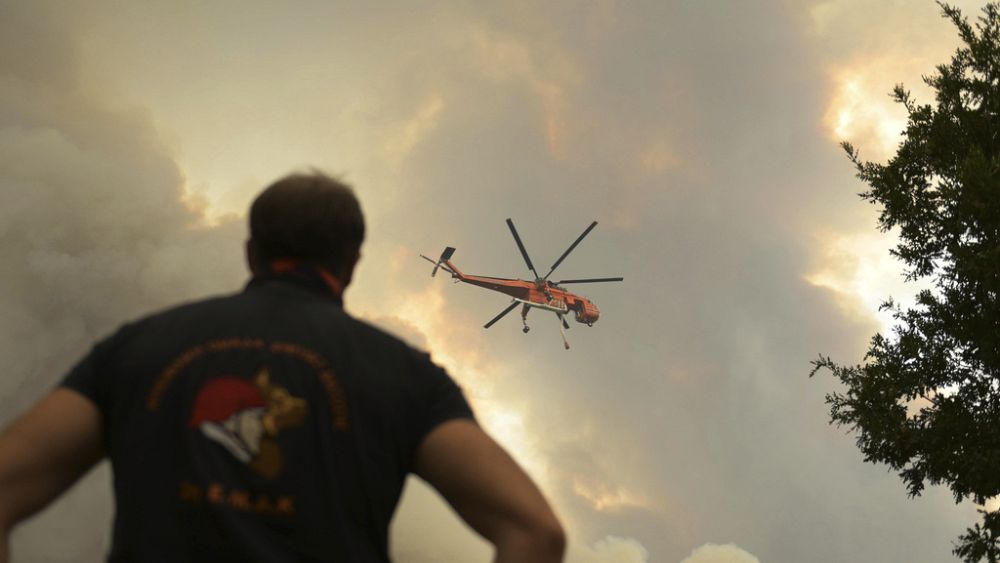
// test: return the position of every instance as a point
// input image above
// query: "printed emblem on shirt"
(246, 417)
(339, 419)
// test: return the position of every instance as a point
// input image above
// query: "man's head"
(311, 218)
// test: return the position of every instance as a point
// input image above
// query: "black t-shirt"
(264, 426)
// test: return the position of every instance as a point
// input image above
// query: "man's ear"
(347, 272)
(253, 257)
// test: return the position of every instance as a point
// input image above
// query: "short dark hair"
(310, 217)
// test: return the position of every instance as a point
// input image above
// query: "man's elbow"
(7, 519)
(540, 541)
(553, 539)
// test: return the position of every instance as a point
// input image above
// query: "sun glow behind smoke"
(857, 266)
(449, 345)
(862, 275)
(861, 110)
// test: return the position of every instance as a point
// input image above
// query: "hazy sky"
(681, 428)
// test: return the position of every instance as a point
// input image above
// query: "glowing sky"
(701, 135)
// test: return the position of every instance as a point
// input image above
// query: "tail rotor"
(440, 262)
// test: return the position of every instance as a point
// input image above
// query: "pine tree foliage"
(926, 400)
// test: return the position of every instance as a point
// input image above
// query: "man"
(270, 425)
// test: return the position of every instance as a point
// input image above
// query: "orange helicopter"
(540, 293)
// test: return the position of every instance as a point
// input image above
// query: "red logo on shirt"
(245, 418)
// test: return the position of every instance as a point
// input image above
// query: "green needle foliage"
(926, 400)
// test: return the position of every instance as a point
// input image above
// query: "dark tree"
(926, 400)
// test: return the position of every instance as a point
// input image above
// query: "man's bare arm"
(491, 493)
(43, 452)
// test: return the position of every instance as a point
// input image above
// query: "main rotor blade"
(502, 313)
(570, 249)
(590, 280)
(520, 247)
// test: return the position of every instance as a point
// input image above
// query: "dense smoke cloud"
(92, 232)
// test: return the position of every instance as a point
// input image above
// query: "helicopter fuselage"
(541, 294)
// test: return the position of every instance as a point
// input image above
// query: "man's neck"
(311, 276)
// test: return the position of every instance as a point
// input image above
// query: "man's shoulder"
(193, 307)
(173, 313)
(246, 310)
(264, 296)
